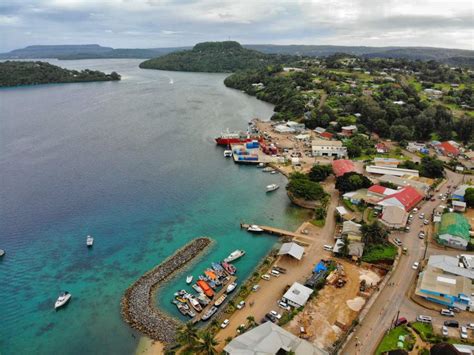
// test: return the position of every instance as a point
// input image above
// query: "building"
(387, 170)
(342, 166)
(378, 191)
(403, 181)
(452, 265)
(292, 249)
(327, 135)
(459, 206)
(453, 231)
(449, 290)
(325, 148)
(459, 193)
(415, 147)
(348, 131)
(270, 339)
(381, 148)
(448, 149)
(389, 162)
(297, 295)
(406, 198)
(394, 217)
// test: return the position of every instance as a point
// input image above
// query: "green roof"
(455, 224)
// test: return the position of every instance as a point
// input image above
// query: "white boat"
(228, 153)
(189, 279)
(273, 172)
(231, 287)
(234, 255)
(197, 288)
(268, 169)
(2, 252)
(254, 228)
(260, 165)
(62, 299)
(89, 241)
(272, 187)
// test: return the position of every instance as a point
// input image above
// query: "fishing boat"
(62, 300)
(205, 288)
(89, 241)
(254, 229)
(234, 255)
(228, 153)
(202, 299)
(231, 287)
(197, 288)
(268, 169)
(231, 269)
(195, 303)
(272, 187)
(220, 300)
(189, 279)
(210, 312)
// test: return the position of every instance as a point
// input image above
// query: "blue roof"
(320, 267)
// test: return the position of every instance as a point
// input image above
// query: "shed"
(292, 249)
(297, 295)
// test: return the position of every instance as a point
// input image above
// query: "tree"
(187, 336)
(320, 172)
(228, 340)
(465, 129)
(374, 233)
(382, 128)
(431, 167)
(301, 186)
(251, 322)
(319, 213)
(351, 182)
(207, 344)
(400, 132)
(469, 197)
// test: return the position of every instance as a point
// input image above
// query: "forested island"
(215, 57)
(16, 73)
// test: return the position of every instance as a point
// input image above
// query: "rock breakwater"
(138, 306)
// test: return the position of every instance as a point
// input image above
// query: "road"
(394, 298)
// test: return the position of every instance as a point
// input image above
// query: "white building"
(325, 148)
(386, 170)
(297, 295)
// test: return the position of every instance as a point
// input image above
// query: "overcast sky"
(170, 23)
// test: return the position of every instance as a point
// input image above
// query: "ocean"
(134, 164)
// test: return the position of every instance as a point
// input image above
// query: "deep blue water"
(132, 163)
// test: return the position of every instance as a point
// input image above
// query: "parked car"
(283, 305)
(275, 314)
(463, 333)
(447, 313)
(423, 319)
(328, 247)
(415, 265)
(271, 318)
(426, 222)
(415, 210)
(451, 323)
(397, 241)
(421, 216)
(421, 235)
(444, 331)
(255, 288)
(241, 305)
(225, 323)
(265, 277)
(470, 326)
(400, 321)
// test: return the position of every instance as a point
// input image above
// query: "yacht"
(228, 153)
(272, 187)
(189, 279)
(254, 228)
(231, 287)
(63, 298)
(209, 313)
(89, 241)
(234, 255)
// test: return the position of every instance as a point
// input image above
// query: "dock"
(215, 298)
(277, 231)
(254, 156)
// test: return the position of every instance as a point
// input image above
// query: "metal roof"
(292, 249)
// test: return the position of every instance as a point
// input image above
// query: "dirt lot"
(470, 216)
(325, 316)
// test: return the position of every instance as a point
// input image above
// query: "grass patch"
(425, 331)
(390, 340)
(318, 222)
(379, 252)
(350, 205)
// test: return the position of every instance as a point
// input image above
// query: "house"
(325, 148)
(453, 231)
(292, 249)
(297, 295)
(452, 265)
(378, 191)
(356, 197)
(387, 162)
(327, 135)
(459, 193)
(270, 339)
(352, 230)
(406, 198)
(394, 217)
(319, 130)
(415, 147)
(459, 206)
(348, 131)
(448, 149)
(342, 166)
(381, 148)
(449, 290)
(356, 249)
(386, 170)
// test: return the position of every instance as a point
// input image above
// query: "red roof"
(409, 197)
(377, 189)
(381, 146)
(327, 135)
(342, 166)
(449, 148)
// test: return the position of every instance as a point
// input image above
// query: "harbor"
(275, 231)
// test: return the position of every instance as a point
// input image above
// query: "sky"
(174, 23)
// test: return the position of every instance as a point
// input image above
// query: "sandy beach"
(147, 346)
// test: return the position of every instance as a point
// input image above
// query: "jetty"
(214, 299)
(138, 305)
(276, 231)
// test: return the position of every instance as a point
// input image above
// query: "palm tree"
(207, 344)
(251, 321)
(228, 340)
(187, 336)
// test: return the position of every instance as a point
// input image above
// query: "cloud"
(162, 23)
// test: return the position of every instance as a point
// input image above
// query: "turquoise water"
(132, 163)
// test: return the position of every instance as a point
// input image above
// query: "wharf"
(214, 299)
(261, 156)
(276, 231)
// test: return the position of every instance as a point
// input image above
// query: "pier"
(277, 231)
(214, 299)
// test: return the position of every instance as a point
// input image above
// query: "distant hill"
(16, 73)
(215, 57)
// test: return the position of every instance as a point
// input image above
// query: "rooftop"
(455, 224)
(292, 249)
(298, 294)
(435, 280)
(408, 198)
(450, 264)
(326, 143)
(342, 166)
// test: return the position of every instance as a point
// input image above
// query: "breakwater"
(138, 306)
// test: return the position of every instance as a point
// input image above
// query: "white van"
(275, 273)
(328, 247)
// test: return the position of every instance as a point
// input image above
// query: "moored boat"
(231, 287)
(195, 303)
(217, 267)
(254, 228)
(210, 312)
(220, 300)
(227, 138)
(231, 269)
(228, 153)
(89, 241)
(189, 279)
(272, 187)
(211, 275)
(234, 255)
(203, 299)
(197, 288)
(62, 300)
(205, 288)
(2, 252)
(260, 165)
(268, 169)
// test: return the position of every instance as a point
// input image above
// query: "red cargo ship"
(227, 138)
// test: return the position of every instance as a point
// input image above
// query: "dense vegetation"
(351, 182)
(214, 57)
(13, 73)
(430, 167)
(320, 172)
(300, 186)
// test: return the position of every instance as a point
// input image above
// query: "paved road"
(393, 298)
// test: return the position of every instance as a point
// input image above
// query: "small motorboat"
(217, 267)
(254, 229)
(260, 165)
(268, 169)
(62, 300)
(220, 300)
(89, 241)
(231, 287)
(234, 255)
(197, 288)
(273, 172)
(189, 279)
(272, 187)
(195, 303)
(228, 153)
(231, 269)
(203, 299)
(2, 252)
(209, 313)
